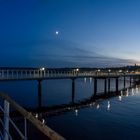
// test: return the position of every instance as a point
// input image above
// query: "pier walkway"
(11, 74)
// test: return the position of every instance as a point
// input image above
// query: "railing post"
(2, 75)
(12, 75)
(6, 120)
(25, 128)
(33, 73)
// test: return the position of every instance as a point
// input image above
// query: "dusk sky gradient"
(92, 33)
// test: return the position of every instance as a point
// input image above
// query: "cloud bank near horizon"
(57, 53)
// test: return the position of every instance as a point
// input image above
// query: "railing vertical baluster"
(25, 128)
(1, 73)
(6, 120)
(34, 73)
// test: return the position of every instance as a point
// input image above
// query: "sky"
(69, 33)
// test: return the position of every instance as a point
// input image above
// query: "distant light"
(77, 69)
(109, 70)
(99, 70)
(42, 68)
(56, 32)
(120, 70)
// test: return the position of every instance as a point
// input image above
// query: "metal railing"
(17, 74)
(7, 121)
(20, 74)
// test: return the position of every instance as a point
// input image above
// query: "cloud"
(56, 53)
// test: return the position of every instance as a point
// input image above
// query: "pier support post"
(95, 86)
(124, 82)
(117, 85)
(108, 84)
(130, 81)
(73, 90)
(39, 94)
(105, 89)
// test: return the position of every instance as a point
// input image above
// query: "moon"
(56, 32)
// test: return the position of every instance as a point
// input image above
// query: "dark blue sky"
(91, 32)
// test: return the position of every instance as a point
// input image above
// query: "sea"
(113, 118)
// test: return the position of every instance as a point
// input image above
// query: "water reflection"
(76, 112)
(127, 93)
(120, 98)
(98, 106)
(108, 105)
(92, 104)
(90, 80)
(132, 91)
(85, 79)
(137, 90)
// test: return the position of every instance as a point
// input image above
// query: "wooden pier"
(40, 74)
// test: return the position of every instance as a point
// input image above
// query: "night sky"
(69, 33)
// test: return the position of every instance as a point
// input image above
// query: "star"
(56, 32)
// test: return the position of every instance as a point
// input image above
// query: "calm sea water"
(114, 118)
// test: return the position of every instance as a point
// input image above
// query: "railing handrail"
(38, 124)
(21, 74)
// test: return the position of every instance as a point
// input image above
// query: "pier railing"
(44, 73)
(7, 121)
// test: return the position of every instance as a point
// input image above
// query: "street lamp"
(42, 70)
(109, 72)
(77, 70)
(120, 71)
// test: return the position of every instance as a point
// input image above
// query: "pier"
(40, 74)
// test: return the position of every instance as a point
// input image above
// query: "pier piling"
(95, 86)
(39, 94)
(108, 84)
(73, 90)
(117, 85)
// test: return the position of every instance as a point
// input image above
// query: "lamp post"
(98, 71)
(109, 72)
(42, 71)
(77, 70)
